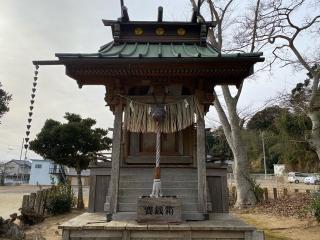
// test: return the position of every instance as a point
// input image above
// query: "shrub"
(257, 190)
(60, 199)
(315, 207)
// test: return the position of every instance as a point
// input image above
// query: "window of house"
(38, 166)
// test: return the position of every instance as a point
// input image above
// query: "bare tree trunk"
(232, 130)
(80, 204)
(245, 194)
(314, 115)
(315, 134)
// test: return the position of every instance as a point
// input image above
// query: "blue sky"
(37, 29)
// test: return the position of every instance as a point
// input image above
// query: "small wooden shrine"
(169, 65)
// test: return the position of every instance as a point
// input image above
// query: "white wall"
(40, 175)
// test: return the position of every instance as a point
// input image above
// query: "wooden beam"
(201, 166)
(48, 62)
(115, 163)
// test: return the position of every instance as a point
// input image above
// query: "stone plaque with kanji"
(159, 210)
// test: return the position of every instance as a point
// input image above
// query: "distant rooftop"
(21, 162)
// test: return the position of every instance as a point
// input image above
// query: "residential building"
(15, 171)
(42, 172)
(46, 172)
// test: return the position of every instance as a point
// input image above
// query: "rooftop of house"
(20, 162)
(40, 160)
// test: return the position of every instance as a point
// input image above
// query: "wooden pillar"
(115, 163)
(201, 166)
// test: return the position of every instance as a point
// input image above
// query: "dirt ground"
(11, 197)
(48, 229)
(285, 228)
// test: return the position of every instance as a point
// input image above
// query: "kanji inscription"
(159, 210)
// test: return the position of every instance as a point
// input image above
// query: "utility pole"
(264, 156)
(24, 165)
(21, 151)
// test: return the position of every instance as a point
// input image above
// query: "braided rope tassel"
(158, 148)
(156, 188)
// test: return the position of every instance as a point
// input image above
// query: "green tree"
(299, 98)
(264, 119)
(4, 101)
(218, 146)
(287, 132)
(292, 131)
(71, 144)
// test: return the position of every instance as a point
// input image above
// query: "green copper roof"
(155, 50)
(150, 50)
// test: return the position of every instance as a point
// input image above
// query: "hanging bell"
(33, 95)
(30, 114)
(27, 140)
(37, 67)
(26, 146)
(29, 120)
(34, 84)
(32, 102)
(35, 79)
(36, 73)
(27, 133)
(34, 90)
(28, 126)
(31, 108)
(158, 113)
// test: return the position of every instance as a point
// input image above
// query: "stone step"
(164, 171)
(124, 216)
(133, 199)
(132, 207)
(164, 183)
(129, 216)
(193, 216)
(165, 178)
(137, 192)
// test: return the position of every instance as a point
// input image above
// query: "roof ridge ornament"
(196, 15)
(160, 14)
(124, 12)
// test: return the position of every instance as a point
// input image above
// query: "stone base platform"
(93, 226)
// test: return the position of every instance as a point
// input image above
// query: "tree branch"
(236, 97)
(223, 118)
(301, 59)
(255, 24)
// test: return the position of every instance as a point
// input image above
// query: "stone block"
(159, 210)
